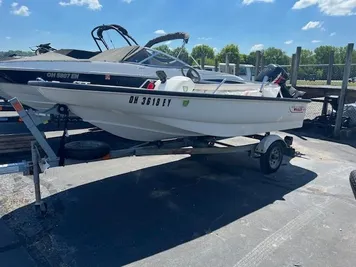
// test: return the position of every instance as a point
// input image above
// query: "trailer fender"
(265, 143)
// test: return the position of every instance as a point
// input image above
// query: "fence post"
(258, 62)
(237, 71)
(330, 68)
(292, 64)
(296, 66)
(227, 62)
(262, 60)
(340, 108)
(202, 61)
(216, 64)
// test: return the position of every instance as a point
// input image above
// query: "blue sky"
(250, 24)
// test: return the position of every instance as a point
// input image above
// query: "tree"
(322, 54)
(200, 50)
(234, 56)
(6, 54)
(307, 57)
(251, 58)
(164, 48)
(244, 59)
(274, 55)
(183, 54)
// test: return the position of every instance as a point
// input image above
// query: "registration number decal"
(150, 101)
(61, 75)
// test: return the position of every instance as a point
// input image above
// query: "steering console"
(192, 73)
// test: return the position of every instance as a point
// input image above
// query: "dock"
(316, 91)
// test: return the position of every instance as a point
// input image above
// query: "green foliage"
(322, 53)
(244, 59)
(6, 54)
(251, 58)
(164, 48)
(307, 57)
(234, 54)
(274, 55)
(200, 50)
(210, 61)
(183, 54)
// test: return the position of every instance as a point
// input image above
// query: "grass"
(322, 82)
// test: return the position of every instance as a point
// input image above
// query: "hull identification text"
(150, 101)
(60, 75)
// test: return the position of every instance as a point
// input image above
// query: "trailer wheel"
(86, 150)
(353, 182)
(272, 159)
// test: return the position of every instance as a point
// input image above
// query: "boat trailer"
(270, 150)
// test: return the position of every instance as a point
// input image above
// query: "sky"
(251, 24)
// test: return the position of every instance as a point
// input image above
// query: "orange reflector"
(17, 106)
(0, 108)
(20, 120)
(106, 157)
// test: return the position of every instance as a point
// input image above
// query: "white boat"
(128, 66)
(174, 109)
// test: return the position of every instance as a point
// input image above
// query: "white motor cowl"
(177, 84)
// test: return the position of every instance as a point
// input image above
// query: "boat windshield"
(151, 57)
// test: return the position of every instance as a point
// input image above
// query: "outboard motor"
(276, 74)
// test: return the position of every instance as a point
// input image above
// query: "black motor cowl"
(275, 73)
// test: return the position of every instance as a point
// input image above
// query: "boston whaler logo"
(297, 109)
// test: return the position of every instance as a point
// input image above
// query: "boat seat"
(177, 84)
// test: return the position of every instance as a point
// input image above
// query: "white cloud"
(127, 1)
(323, 29)
(7, 37)
(329, 7)
(20, 11)
(249, 2)
(45, 32)
(257, 47)
(216, 50)
(288, 42)
(333, 33)
(92, 4)
(205, 38)
(0, 2)
(168, 42)
(315, 41)
(160, 32)
(312, 25)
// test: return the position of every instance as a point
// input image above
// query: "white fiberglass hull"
(155, 115)
(27, 95)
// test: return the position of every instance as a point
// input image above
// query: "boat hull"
(26, 95)
(155, 115)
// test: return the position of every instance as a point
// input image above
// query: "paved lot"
(176, 211)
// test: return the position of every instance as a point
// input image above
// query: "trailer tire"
(353, 182)
(272, 159)
(86, 150)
